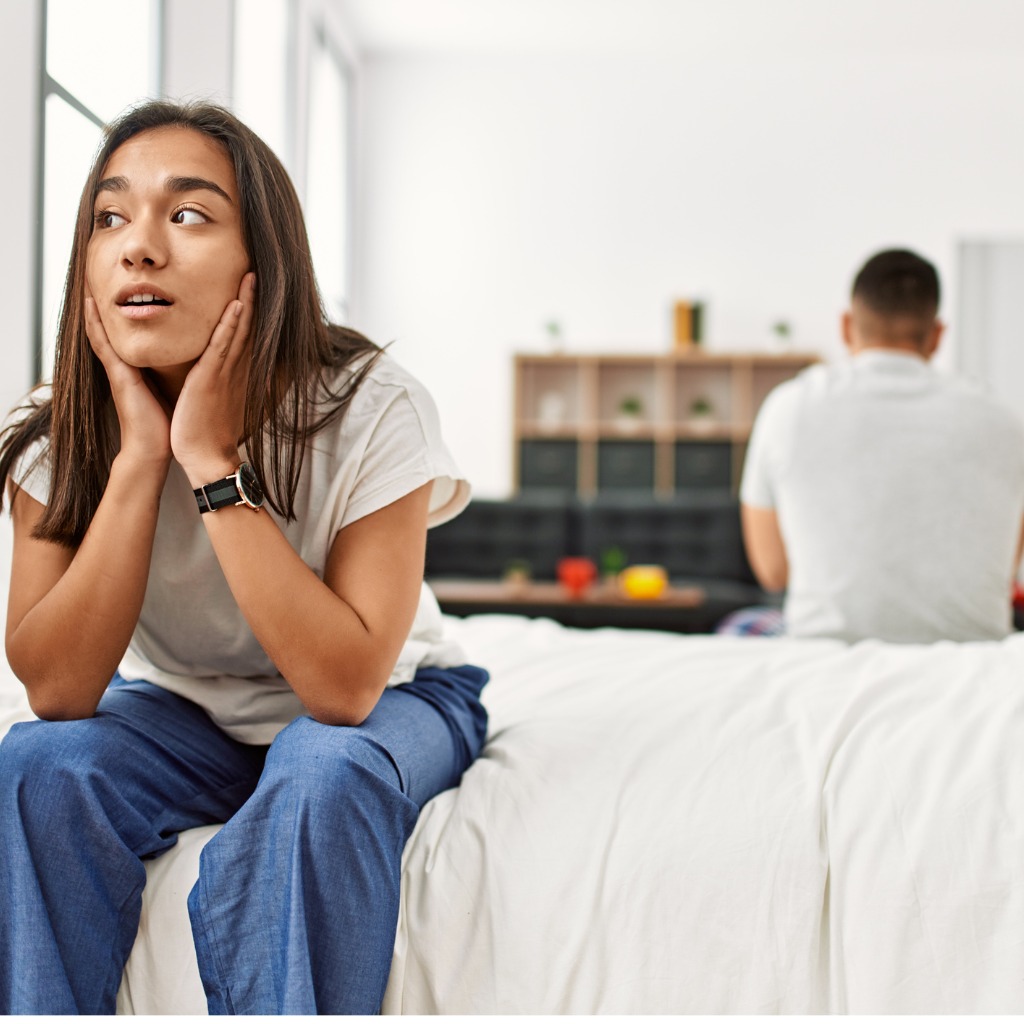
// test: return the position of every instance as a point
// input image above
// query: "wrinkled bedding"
(664, 823)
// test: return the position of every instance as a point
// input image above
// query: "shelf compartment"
(766, 377)
(620, 380)
(548, 465)
(625, 466)
(703, 465)
(708, 382)
(550, 396)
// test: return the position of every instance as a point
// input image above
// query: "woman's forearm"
(335, 640)
(69, 641)
(330, 657)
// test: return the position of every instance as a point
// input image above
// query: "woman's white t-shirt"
(191, 637)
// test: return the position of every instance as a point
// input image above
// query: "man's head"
(894, 305)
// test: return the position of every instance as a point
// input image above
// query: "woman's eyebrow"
(192, 184)
(118, 184)
(176, 183)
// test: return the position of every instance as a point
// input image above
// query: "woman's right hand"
(75, 594)
(142, 413)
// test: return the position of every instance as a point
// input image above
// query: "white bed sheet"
(700, 824)
(632, 843)
(703, 824)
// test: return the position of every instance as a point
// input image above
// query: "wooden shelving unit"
(570, 434)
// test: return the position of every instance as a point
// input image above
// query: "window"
(83, 87)
(307, 128)
(263, 77)
(327, 176)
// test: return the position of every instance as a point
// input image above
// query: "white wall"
(990, 285)
(498, 191)
(197, 50)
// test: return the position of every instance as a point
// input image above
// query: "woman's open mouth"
(143, 305)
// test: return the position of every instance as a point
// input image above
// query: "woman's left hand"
(208, 419)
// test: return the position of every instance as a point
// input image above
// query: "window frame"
(335, 51)
(50, 86)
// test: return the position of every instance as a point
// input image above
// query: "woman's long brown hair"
(289, 396)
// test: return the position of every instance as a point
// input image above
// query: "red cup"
(576, 575)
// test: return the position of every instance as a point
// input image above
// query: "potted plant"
(702, 414)
(613, 561)
(630, 413)
(553, 330)
(517, 573)
(782, 333)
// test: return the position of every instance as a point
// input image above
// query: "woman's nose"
(142, 245)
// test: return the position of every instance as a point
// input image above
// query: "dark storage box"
(703, 465)
(625, 465)
(548, 465)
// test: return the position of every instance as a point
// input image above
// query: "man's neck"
(895, 349)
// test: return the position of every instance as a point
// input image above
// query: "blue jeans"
(296, 905)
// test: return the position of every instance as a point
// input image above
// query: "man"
(885, 498)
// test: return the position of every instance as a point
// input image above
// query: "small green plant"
(701, 406)
(517, 570)
(631, 405)
(553, 329)
(782, 329)
(613, 561)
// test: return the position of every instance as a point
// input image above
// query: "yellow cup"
(643, 581)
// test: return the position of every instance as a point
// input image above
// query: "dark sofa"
(695, 537)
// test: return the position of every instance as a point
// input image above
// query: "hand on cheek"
(208, 420)
(143, 417)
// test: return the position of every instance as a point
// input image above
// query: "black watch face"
(249, 486)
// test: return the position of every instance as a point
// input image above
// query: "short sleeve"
(31, 471)
(767, 442)
(403, 451)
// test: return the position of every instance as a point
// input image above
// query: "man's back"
(899, 494)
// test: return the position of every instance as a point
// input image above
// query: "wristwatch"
(241, 488)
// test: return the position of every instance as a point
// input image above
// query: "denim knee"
(49, 769)
(25, 749)
(321, 785)
(72, 775)
(328, 760)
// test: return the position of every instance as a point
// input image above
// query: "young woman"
(220, 513)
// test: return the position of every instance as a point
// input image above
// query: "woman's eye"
(106, 219)
(187, 216)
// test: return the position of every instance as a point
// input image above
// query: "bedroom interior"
(663, 820)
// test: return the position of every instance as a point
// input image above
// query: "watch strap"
(219, 494)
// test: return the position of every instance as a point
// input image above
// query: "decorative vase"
(643, 582)
(576, 575)
(703, 424)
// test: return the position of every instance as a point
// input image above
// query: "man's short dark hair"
(898, 283)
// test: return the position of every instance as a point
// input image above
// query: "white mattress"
(669, 824)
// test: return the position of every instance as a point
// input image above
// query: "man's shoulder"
(808, 385)
(975, 399)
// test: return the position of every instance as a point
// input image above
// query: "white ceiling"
(696, 28)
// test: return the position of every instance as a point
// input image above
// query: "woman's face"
(166, 254)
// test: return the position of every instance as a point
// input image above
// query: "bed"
(676, 824)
